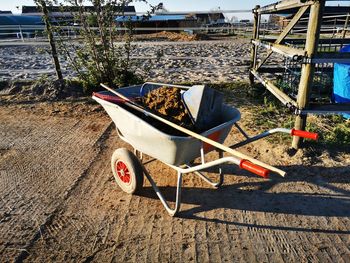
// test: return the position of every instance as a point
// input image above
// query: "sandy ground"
(163, 61)
(59, 201)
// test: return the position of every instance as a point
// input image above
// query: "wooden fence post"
(345, 29)
(307, 70)
(254, 47)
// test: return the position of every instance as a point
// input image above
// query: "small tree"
(42, 4)
(97, 58)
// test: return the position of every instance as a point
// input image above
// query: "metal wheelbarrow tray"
(178, 152)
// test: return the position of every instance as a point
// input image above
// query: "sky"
(173, 5)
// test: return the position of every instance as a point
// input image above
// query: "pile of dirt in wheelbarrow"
(167, 103)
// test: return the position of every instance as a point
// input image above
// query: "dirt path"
(60, 203)
(42, 161)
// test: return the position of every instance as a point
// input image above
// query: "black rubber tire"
(126, 165)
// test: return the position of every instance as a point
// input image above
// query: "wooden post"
(345, 29)
(335, 28)
(307, 71)
(254, 47)
(21, 33)
(284, 5)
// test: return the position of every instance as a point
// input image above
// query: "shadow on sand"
(332, 202)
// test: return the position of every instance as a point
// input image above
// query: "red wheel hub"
(123, 172)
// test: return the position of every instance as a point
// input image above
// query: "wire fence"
(29, 33)
(334, 35)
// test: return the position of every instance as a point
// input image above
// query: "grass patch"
(334, 130)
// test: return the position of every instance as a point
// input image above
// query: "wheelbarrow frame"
(188, 168)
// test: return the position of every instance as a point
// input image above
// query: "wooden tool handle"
(196, 135)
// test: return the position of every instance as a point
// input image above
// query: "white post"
(21, 33)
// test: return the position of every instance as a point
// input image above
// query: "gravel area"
(60, 203)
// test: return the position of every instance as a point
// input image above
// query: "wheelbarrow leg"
(218, 184)
(172, 212)
(209, 181)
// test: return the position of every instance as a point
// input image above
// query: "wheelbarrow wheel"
(127, 171)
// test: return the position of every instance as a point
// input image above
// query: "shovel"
(204, 105)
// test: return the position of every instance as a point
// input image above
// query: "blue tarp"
(341, 91)
(150, 19)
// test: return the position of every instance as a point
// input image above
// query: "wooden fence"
(308, 47)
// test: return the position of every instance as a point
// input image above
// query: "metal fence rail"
(25, 33)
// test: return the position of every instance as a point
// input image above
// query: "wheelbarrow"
(177, 152)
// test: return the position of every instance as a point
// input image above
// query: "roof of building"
(203, 15)
(5, 12)
(328, 10)
(20, 20)
(155, 18)
(34, 9)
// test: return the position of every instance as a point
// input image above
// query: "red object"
(304, 134)
(215, 136)
(123, 172)
(256, 169)
(110, 98)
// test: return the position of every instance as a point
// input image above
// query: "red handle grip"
(304, 134)
(109, 98)
(256, 169)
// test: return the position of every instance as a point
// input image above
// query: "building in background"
(158, 22)
(67, 13)
(333, 19)
(210, 18)
(172, 22)
(17, 26)
(5, 12)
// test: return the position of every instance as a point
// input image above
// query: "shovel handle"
(224, 148)
(256, 169)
